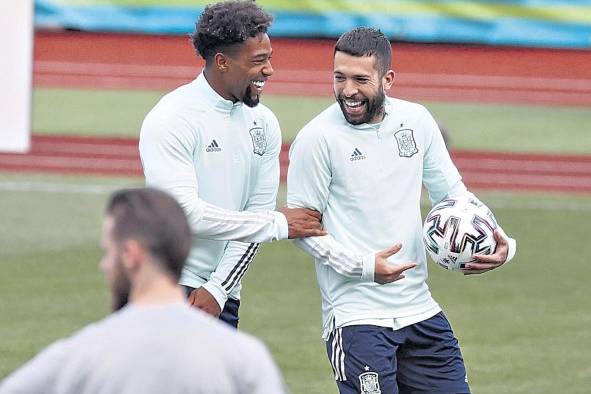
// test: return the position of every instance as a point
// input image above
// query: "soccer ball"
(457, 228)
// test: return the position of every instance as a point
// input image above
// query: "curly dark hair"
(225, 24)
(367, 41)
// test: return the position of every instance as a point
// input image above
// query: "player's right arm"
(167, 148)
(308, 181)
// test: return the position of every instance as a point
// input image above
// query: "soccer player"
(212, 146)
(156, 343)
(362, 163)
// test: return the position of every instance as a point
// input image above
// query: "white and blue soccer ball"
(457, 228)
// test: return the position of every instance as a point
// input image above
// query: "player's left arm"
(442, 180)
(239, 255)
(504, 252)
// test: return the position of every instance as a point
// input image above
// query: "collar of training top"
(213, 98)
(371, 126)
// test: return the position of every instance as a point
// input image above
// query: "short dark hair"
(226, 24)
(154, 219)
(367, 41)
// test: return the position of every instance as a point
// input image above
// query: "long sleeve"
(238, 255)
(308, 182)
(167, 147)
(441, 177)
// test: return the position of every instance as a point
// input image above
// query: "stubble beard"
(120, 289)
(248, 100)
(374, 108)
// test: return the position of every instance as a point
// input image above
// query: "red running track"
(484, 170)
(304, 67)
(449, 72)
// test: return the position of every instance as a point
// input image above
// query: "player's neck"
(158, 289)
(215, 82)
(378, 117)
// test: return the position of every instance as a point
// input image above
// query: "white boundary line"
(49, 187)
(76, 188)
(313, 76)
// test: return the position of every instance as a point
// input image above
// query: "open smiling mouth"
(258, 86)
(353, 107)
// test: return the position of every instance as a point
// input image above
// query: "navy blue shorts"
(422, 358)
(229, 314)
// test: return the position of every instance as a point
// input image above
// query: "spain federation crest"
(259, 141)
(369, 383)
(407, 146)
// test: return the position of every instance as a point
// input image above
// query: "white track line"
(87, 148)
(314, 76)
(484, 94)
(528, 179)
(49, 187)
(524, 165)
(73, 188)
(71, 162)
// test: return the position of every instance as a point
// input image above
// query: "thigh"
(363, 359)
(229, 314)
(430, 361)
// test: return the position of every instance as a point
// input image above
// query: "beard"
(119, 300)
(248, 100)
(120, 289)
(374, 106)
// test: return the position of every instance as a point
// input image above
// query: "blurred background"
(508, 81)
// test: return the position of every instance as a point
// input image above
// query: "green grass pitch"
(472, 126)
(523, 328)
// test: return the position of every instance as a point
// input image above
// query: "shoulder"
(178, 100)
(214, 331)
(330, 117)
(407, 108)
(173, 120)
(322, 126)
(250, 345)
(185, 104)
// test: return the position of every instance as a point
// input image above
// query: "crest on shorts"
(259, 141)
(407, 146)
(369, 383)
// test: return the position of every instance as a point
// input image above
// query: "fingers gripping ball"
(457, 228)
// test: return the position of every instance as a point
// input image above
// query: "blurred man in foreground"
(156, 343)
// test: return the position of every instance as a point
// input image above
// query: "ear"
(388, 79)
(133, 255)
(221, 62)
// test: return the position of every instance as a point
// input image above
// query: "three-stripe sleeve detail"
(240, 268)
(343, 264)
(215, 214)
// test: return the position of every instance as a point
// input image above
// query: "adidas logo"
(213, 147)
(357, 155)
